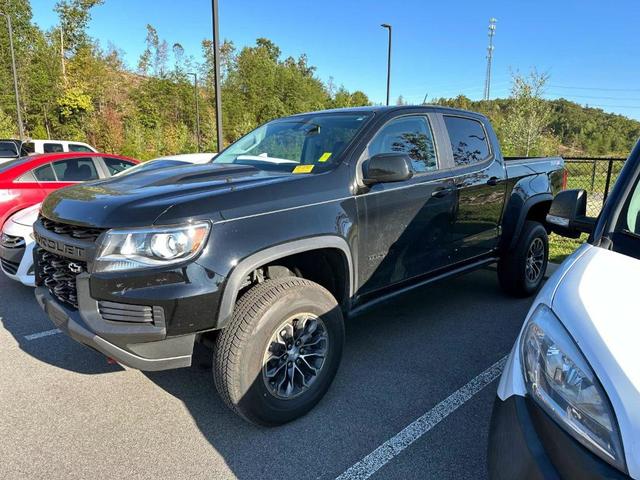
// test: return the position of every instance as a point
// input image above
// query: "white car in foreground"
(16, 245)
(568, 402)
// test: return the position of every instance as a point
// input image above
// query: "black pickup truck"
(263, 252)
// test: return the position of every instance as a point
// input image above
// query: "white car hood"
(28, 216)
(598, 301)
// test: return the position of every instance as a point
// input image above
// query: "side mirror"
(568, 214)
(387, 167)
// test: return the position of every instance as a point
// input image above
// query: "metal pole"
(216, 67)
(607, 182)
(197, 110)
(195, 93)
(15, 75)
(388, 27)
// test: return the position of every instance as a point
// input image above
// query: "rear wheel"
(521, 270)
(279, 354)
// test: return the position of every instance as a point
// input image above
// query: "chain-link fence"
(596, 176)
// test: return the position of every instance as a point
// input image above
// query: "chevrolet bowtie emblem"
(75, 268)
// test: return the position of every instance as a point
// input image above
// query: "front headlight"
(151, 247)
(561, 381)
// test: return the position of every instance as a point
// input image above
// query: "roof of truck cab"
(391, 108)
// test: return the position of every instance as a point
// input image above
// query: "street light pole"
(216, 67)
(15, 75)
(195, 93)
(388, 27)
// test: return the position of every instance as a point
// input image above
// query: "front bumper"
(17, 263)
(525, 443)
(136, 346)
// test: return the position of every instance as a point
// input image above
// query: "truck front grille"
(58, 274)
(73, 231)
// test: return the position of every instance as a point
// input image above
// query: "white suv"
(31, 147)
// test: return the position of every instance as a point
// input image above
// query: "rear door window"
(468, 140)
(45, 173)
(76, 170)
(52, 148)
(76, 147)
(116, 165)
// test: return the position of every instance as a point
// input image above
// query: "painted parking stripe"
(46, 333)
(396, 444)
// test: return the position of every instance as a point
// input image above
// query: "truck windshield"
(626, 234)
(301, 144)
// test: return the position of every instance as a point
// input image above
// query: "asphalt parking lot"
(412, 399)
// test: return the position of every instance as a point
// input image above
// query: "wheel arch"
(278, 252)
(533, 208)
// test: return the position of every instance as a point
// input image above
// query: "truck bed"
(521, 166)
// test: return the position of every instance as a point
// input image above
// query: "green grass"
(560, 247)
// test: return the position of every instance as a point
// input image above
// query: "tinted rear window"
(52, 148)
(74, 147)
(75, 170)
(468, 140)
(8, 150)
(28, 148)
(45, 173)
(116, 165)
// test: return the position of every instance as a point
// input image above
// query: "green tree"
(528, 116)
(74, 18)
(7, 126)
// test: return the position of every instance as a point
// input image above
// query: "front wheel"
(521, 270)
(279, 354)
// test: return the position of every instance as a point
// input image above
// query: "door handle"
(441, 192)
(493, 181)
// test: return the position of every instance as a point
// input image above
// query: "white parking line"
(396, 444)
(46, 333)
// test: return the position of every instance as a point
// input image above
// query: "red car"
(28, 180)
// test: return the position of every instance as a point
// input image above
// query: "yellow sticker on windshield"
(325, 156)
(303, 169)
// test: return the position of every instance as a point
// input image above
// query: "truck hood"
(597, 302)
(141, 198)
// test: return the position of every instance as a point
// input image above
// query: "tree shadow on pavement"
(21, 316)
(391, 373)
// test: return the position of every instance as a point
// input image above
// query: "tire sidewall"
(535, 230)
(257, 399)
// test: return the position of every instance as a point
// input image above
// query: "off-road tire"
(512, 267)
(240, 348)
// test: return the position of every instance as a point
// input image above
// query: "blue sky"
(590, 48)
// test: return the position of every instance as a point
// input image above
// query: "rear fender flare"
(529, 203)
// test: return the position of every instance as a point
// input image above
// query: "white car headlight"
(560, 380)
(150, 247)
